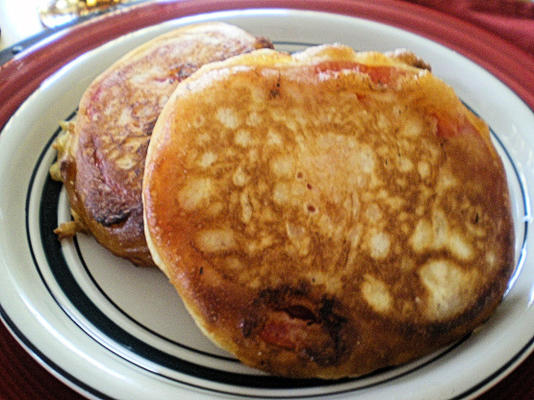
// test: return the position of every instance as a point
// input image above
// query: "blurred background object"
(18, 21)
(54, 13)
(24, 19)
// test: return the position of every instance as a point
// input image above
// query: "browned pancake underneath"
(328, 213)
(101, 158)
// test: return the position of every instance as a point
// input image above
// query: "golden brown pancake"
(101, 158)
(328, 213)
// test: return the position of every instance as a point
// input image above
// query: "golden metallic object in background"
(59, 12)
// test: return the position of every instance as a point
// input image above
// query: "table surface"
(21, 377)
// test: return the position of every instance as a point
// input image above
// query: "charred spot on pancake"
(112, 218)
(248, 325)
(148, 127)
(289, 319)
(299, 311)
(275, 91)
(263, 43)
(340, 334)
(67, 168)
(409, 58)
(182, 71)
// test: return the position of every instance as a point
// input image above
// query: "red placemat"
(512, 20)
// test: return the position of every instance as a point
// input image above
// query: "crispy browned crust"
(101, 160)
(328, 213)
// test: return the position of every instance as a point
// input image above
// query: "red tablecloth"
(512, 20)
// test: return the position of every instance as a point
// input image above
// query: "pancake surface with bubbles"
(327, 213)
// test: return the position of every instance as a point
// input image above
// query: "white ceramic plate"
(109, 329)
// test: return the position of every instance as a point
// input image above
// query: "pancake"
(327, 213)
(101, 157)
